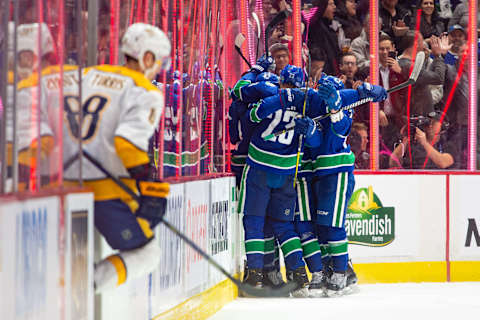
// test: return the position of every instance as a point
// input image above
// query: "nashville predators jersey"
(121, 109)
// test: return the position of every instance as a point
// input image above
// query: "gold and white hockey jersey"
(39, 114)
(121, 109)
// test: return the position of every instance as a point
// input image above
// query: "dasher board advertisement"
(167, 281)
(197, 209)
(395, 218)
(80, 260)
(29, 247)
(464, 218)
(220, 231)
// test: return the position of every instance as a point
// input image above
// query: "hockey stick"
(239, 40)
(300, 139)
(250, 290)
(257, 22)
(282, 15)
(419, 60)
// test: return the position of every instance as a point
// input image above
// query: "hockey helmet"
(28, 41)
(292, 75)
(27, 38)
(268, 76)
(141, 38)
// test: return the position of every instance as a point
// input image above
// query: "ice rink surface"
(405, 301)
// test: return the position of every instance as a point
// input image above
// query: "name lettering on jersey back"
(109, 82)
(68, 80)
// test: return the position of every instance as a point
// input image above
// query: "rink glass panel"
(192, 137)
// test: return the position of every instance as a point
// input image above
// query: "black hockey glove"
(153, 201)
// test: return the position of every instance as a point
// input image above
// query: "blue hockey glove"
(330, 95)
(336, 82)
(305, 126)
(367, 90)
(153, 201)
(264, 64)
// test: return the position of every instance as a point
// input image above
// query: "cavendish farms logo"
(368, 222)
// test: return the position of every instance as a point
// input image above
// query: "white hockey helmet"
(141, 38)
(27, 38)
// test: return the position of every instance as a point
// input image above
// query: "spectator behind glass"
(348, 71)
(458, 109)
(457, 37)
(421, 102)
(346, 15)
(361, 46)
(390, 119)
(395, 20)
(430, 22)
(358, 140)
(460, 15)
(281, 55)
(429, 140)
(317, 57)
(321, 36)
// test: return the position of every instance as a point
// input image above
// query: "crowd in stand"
(425, 128)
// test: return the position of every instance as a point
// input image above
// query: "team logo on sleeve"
(92, 110)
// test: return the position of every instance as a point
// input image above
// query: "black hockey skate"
(317, 286)
(299, 276)
(336, 284)
(352, 279)
(254, 277)
(273, 279)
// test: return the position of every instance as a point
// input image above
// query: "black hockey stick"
(250, 290)
(282, 15)
(239, 40)
(417, 67)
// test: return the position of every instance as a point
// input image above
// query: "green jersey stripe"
(270, 159)
(238, 86)
(333, 161)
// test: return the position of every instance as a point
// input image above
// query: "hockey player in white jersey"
(35, 51)
(121, 108)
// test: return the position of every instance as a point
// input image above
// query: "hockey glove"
(367, 90)
(335, 117)
(336, 82)
(330, 95)
(305, 126)
(264, 64)
(153, 201)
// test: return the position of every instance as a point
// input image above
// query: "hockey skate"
(253, 277)
(273, 279)
(316, 288)
(299, 276)
(336, 284)
(351, 286)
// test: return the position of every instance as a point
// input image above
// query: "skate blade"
(334, 293)
(352, 289)
(300, 293)
(316, 293)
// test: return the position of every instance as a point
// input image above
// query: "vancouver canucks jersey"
(241, 128)
(333, 154)
(279, 154)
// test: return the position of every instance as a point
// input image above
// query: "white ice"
(403, 301)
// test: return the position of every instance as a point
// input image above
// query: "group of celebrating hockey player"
(304, 214)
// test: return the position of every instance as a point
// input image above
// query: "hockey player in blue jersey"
(266, 192)
(256, 84)
(333, 182)
(248, 90)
